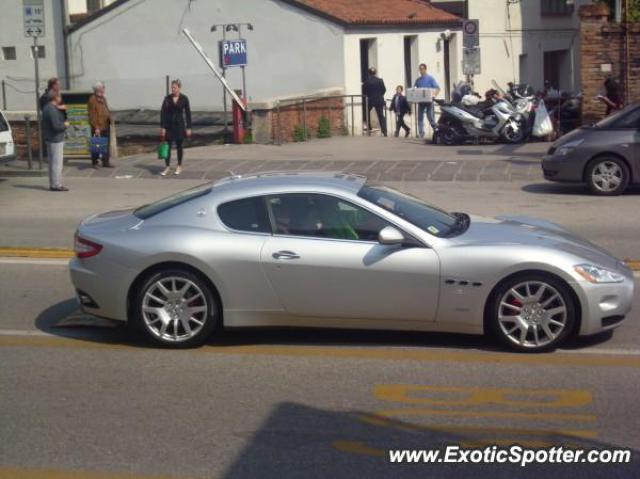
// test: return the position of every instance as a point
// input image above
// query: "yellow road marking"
(411, 427)
(378, 353)
(473, 396)
(25, 473)
(634, 264)
(359, 448)
(49, 253)
(496, 414)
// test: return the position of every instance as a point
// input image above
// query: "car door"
(324, 260)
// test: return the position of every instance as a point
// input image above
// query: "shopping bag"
(542, 125)
(99, 145)
(163, 150)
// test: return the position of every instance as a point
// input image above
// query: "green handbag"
(163, 150)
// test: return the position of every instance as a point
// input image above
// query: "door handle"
(285, 255)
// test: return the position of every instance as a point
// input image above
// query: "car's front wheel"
(532, 313)
(176, 308)
(607, 176)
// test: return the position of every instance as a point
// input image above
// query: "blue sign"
(233, 53)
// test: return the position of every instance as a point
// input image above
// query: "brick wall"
(19, 132)
(603, 44)
(278, 125)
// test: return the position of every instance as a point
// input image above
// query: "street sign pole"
(35, 59)
(224, 92)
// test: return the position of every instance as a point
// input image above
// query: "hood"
(522, 230)
(571, 136)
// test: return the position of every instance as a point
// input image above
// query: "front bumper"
(567, 168)
(604, 306)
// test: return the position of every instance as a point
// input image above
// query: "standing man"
(400, 106)
(426, 81)
(53, 128)
(100, 121)
(374, 89)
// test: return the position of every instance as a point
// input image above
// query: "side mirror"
(390, 236)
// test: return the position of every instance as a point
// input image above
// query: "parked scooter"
(494, 119)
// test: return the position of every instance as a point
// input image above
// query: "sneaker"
(166, 171)
(178, 170)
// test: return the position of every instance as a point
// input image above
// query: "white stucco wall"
(19, 74)
(506, 32)
(134, 46)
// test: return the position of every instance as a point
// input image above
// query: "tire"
(176, 308)
(607, 176)
(548, 320)
(513, 137)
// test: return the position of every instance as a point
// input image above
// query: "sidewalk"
(380, 159)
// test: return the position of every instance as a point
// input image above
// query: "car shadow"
(570, 189)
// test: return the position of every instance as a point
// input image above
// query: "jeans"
(179, 149)
(55, 157)
(431, 116)
(401, 124)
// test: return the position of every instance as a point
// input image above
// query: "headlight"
(595, 274)
(567, 148)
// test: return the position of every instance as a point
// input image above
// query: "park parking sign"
(233, 53)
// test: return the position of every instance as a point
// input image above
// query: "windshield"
(612, 119)
(426, 217)
(3, 123)
(152, 209)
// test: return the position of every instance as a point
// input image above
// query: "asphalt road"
(93, 402)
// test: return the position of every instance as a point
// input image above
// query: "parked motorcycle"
(494, 119)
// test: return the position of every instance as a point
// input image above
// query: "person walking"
(612, 97)
(373, 88)
(100, 120)
(175, 123)
(400, 106)
(426, 81)
(53, 128)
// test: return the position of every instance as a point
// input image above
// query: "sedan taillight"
(85, 248)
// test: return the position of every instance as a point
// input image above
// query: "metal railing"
(348, 110)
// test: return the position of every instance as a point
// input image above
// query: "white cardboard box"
(420, 95)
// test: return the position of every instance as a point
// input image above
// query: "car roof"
(279, 181)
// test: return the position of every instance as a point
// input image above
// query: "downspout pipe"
(64, 7)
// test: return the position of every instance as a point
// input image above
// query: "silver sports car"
(332, 250)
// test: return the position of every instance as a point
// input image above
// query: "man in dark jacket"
(53, 128)
(400, 106)
(373, 88)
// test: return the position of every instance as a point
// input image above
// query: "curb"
(63, 253)
(18, 173)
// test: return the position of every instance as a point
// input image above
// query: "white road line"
(51, 262)
(23, 332)
(603, 351)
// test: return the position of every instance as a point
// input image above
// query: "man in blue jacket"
(426, 81)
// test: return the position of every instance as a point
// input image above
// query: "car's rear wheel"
(607, 176)
(532, 313)
(176, 308)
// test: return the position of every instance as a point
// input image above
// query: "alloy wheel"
(607, 176)
(532, 314)
(174, 309)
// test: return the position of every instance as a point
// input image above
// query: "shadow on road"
(569, 189)
(355, 444)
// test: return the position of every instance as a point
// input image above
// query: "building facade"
(17, 68)
(526, 41)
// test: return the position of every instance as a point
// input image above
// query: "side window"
(630, 120)
(323, 216)
(248, 214)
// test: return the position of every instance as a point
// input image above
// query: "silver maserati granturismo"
(333, 250)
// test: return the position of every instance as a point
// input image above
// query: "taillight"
(85, 248)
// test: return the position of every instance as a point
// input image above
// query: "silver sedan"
(332, 250)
